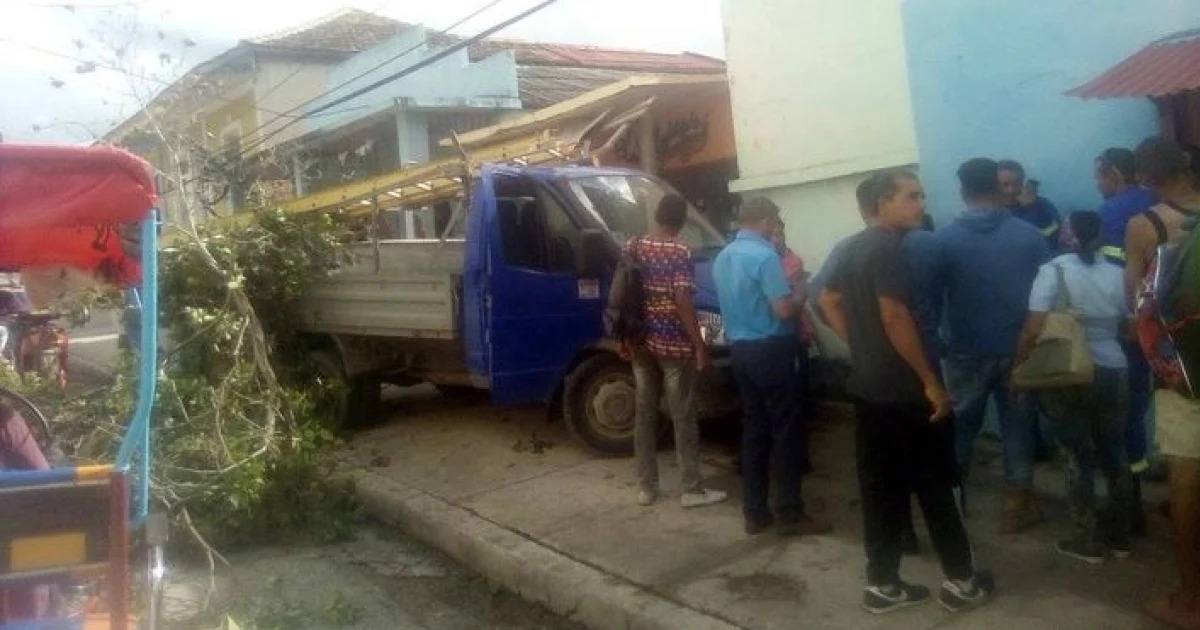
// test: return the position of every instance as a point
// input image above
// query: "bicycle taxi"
(75, 529)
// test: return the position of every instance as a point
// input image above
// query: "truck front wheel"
(599, 403)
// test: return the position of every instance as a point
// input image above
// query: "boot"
(1020, 511)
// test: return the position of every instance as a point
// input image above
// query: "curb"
(537, 573)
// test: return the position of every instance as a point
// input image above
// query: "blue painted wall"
(988, 78)
(453, 82)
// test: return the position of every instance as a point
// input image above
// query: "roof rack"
(438, 181)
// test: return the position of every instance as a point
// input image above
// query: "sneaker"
(909, 544)
(702, 498)
(806, 526)
(959, 595)
(756, 526)
(646, 497)
(1089, 552)
(885, 599)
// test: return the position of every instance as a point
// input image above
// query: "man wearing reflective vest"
(1124, 199)
(1021, 199)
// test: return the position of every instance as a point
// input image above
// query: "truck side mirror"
(594, 255)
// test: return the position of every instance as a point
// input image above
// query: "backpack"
(1168, 310)
(624, 316)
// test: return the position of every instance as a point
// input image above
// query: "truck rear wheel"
(355, 402)
(599, 402)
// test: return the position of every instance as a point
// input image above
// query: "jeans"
(1141, 387)
(972, 381)
(676, 378)
(1089, 421)
(772, 430)
(898, 451)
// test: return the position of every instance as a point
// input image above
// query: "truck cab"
(522, 294)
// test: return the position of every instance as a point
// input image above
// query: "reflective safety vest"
(1115, 214)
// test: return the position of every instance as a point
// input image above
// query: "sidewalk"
(479, 480)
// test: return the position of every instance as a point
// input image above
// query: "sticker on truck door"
(589, 289)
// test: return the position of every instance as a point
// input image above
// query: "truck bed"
(403, 288)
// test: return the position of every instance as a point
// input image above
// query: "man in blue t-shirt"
(758, 309)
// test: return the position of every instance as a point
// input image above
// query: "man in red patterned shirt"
(672, 356)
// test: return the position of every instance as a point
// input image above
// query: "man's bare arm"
(785, 307)
(1140, 243)
(835, 313)
(691, 324)
(901, 329)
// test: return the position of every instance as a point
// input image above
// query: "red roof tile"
(350, 31)
(1168, 66)
(573, 56)
(354, 30)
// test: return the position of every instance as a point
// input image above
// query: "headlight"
(712, 328)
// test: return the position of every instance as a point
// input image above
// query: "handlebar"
(40, 317)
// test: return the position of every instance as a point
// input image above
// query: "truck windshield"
(625, 205)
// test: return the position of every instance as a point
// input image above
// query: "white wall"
(818, 215)
(282, 85)
(820, 95)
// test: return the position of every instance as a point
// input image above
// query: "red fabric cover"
(61, 205)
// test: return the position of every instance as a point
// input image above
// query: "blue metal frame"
(137, 437)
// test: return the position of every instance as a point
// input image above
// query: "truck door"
(540, 313)
(475, 282)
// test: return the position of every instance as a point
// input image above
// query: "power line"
(389, 60)
(438, 56)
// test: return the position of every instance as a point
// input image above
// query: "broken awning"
(71, 206)
(1168, 66)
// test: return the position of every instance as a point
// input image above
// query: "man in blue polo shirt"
(757, 306)
(1124, 199)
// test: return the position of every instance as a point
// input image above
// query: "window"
(535, 229)
(626, 204)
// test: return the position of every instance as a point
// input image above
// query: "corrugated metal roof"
(1168, 66)
(541, 86)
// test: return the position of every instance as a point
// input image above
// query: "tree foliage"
(242, 441)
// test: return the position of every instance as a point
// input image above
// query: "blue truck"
(508, 296)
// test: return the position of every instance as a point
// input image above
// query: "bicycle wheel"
(39, 425)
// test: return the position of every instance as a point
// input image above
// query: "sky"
(69, 71)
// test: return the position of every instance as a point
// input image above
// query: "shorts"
(1177, 424)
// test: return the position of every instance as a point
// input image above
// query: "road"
(93, 347)
(381, 580)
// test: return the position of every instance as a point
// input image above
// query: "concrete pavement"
(511, 497)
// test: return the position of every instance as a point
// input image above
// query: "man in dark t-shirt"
(904, 440)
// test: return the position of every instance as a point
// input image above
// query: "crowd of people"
(937, 322)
